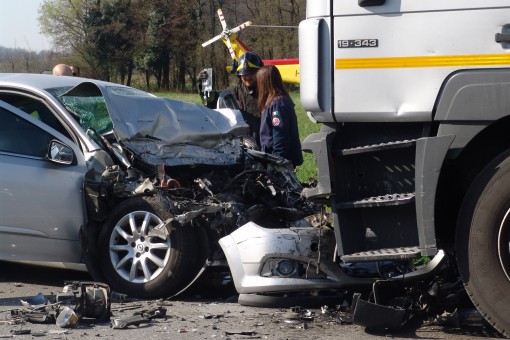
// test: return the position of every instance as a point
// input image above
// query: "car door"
(41, 202)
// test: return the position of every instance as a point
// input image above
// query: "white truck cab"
(387, 62)
(414, 151)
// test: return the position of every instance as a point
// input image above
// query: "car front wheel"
(137, 260)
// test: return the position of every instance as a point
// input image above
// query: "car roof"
(46, 81)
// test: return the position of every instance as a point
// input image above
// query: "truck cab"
(413, 155)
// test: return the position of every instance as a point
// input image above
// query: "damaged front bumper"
(264, 260)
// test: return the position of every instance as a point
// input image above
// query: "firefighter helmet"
(249, 62)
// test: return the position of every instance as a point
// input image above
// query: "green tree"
(162, 38)
(152, 55)
(100, 32)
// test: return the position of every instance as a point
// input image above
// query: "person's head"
(269, 85)
(62, 70)
(248, 65)
(75, 70)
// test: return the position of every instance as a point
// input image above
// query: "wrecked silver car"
(138, 188)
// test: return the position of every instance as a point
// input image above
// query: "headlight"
(286, 268)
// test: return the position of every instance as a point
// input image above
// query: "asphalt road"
(209, 310)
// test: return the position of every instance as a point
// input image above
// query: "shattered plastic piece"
(67, 318)
(249, 333)
(20, 331)
(38, 334)
(40, 317)
(307, 315)
(42, 314)
(130, 307)
(136, 320)
(213, 316)
(375, 316)
(297, 315)
(35, 301)
(449, 319)
(345, 318)
(159, 312)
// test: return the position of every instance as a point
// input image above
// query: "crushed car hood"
(161, 130)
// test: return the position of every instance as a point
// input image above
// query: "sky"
(19, 26)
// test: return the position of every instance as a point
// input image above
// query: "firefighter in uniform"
(246, 92)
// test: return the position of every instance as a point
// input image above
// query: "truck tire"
(145, 266)
(483, 242)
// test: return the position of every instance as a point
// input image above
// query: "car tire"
(144, 266)
(482, 242)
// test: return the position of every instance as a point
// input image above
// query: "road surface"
(209, 311)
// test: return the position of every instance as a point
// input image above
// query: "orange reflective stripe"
(424, 61)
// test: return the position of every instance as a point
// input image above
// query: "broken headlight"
(282, 267)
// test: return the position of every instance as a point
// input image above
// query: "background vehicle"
(413, 154)
(138, 188)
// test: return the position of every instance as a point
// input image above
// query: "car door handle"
(503, 38)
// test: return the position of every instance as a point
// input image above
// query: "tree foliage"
(161, 39)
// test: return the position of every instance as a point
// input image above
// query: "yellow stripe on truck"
(424, 61)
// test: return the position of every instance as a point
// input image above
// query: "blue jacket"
(279, 133)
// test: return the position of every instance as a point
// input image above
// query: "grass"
(305, 172)
(187, 97)
(308, 170)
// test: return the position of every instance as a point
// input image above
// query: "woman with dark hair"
(279, 133)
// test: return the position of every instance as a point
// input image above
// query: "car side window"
(19, 136)
(36, 109)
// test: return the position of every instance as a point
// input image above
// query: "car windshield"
(90, 111)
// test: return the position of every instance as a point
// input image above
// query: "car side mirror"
(60, 153)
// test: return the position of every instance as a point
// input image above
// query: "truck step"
(404, 253)
(378, 201)
(378, 147)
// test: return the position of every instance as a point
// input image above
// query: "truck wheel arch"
(465, 94)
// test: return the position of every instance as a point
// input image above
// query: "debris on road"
(125, 322)
(76, 301)
(432, 302)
